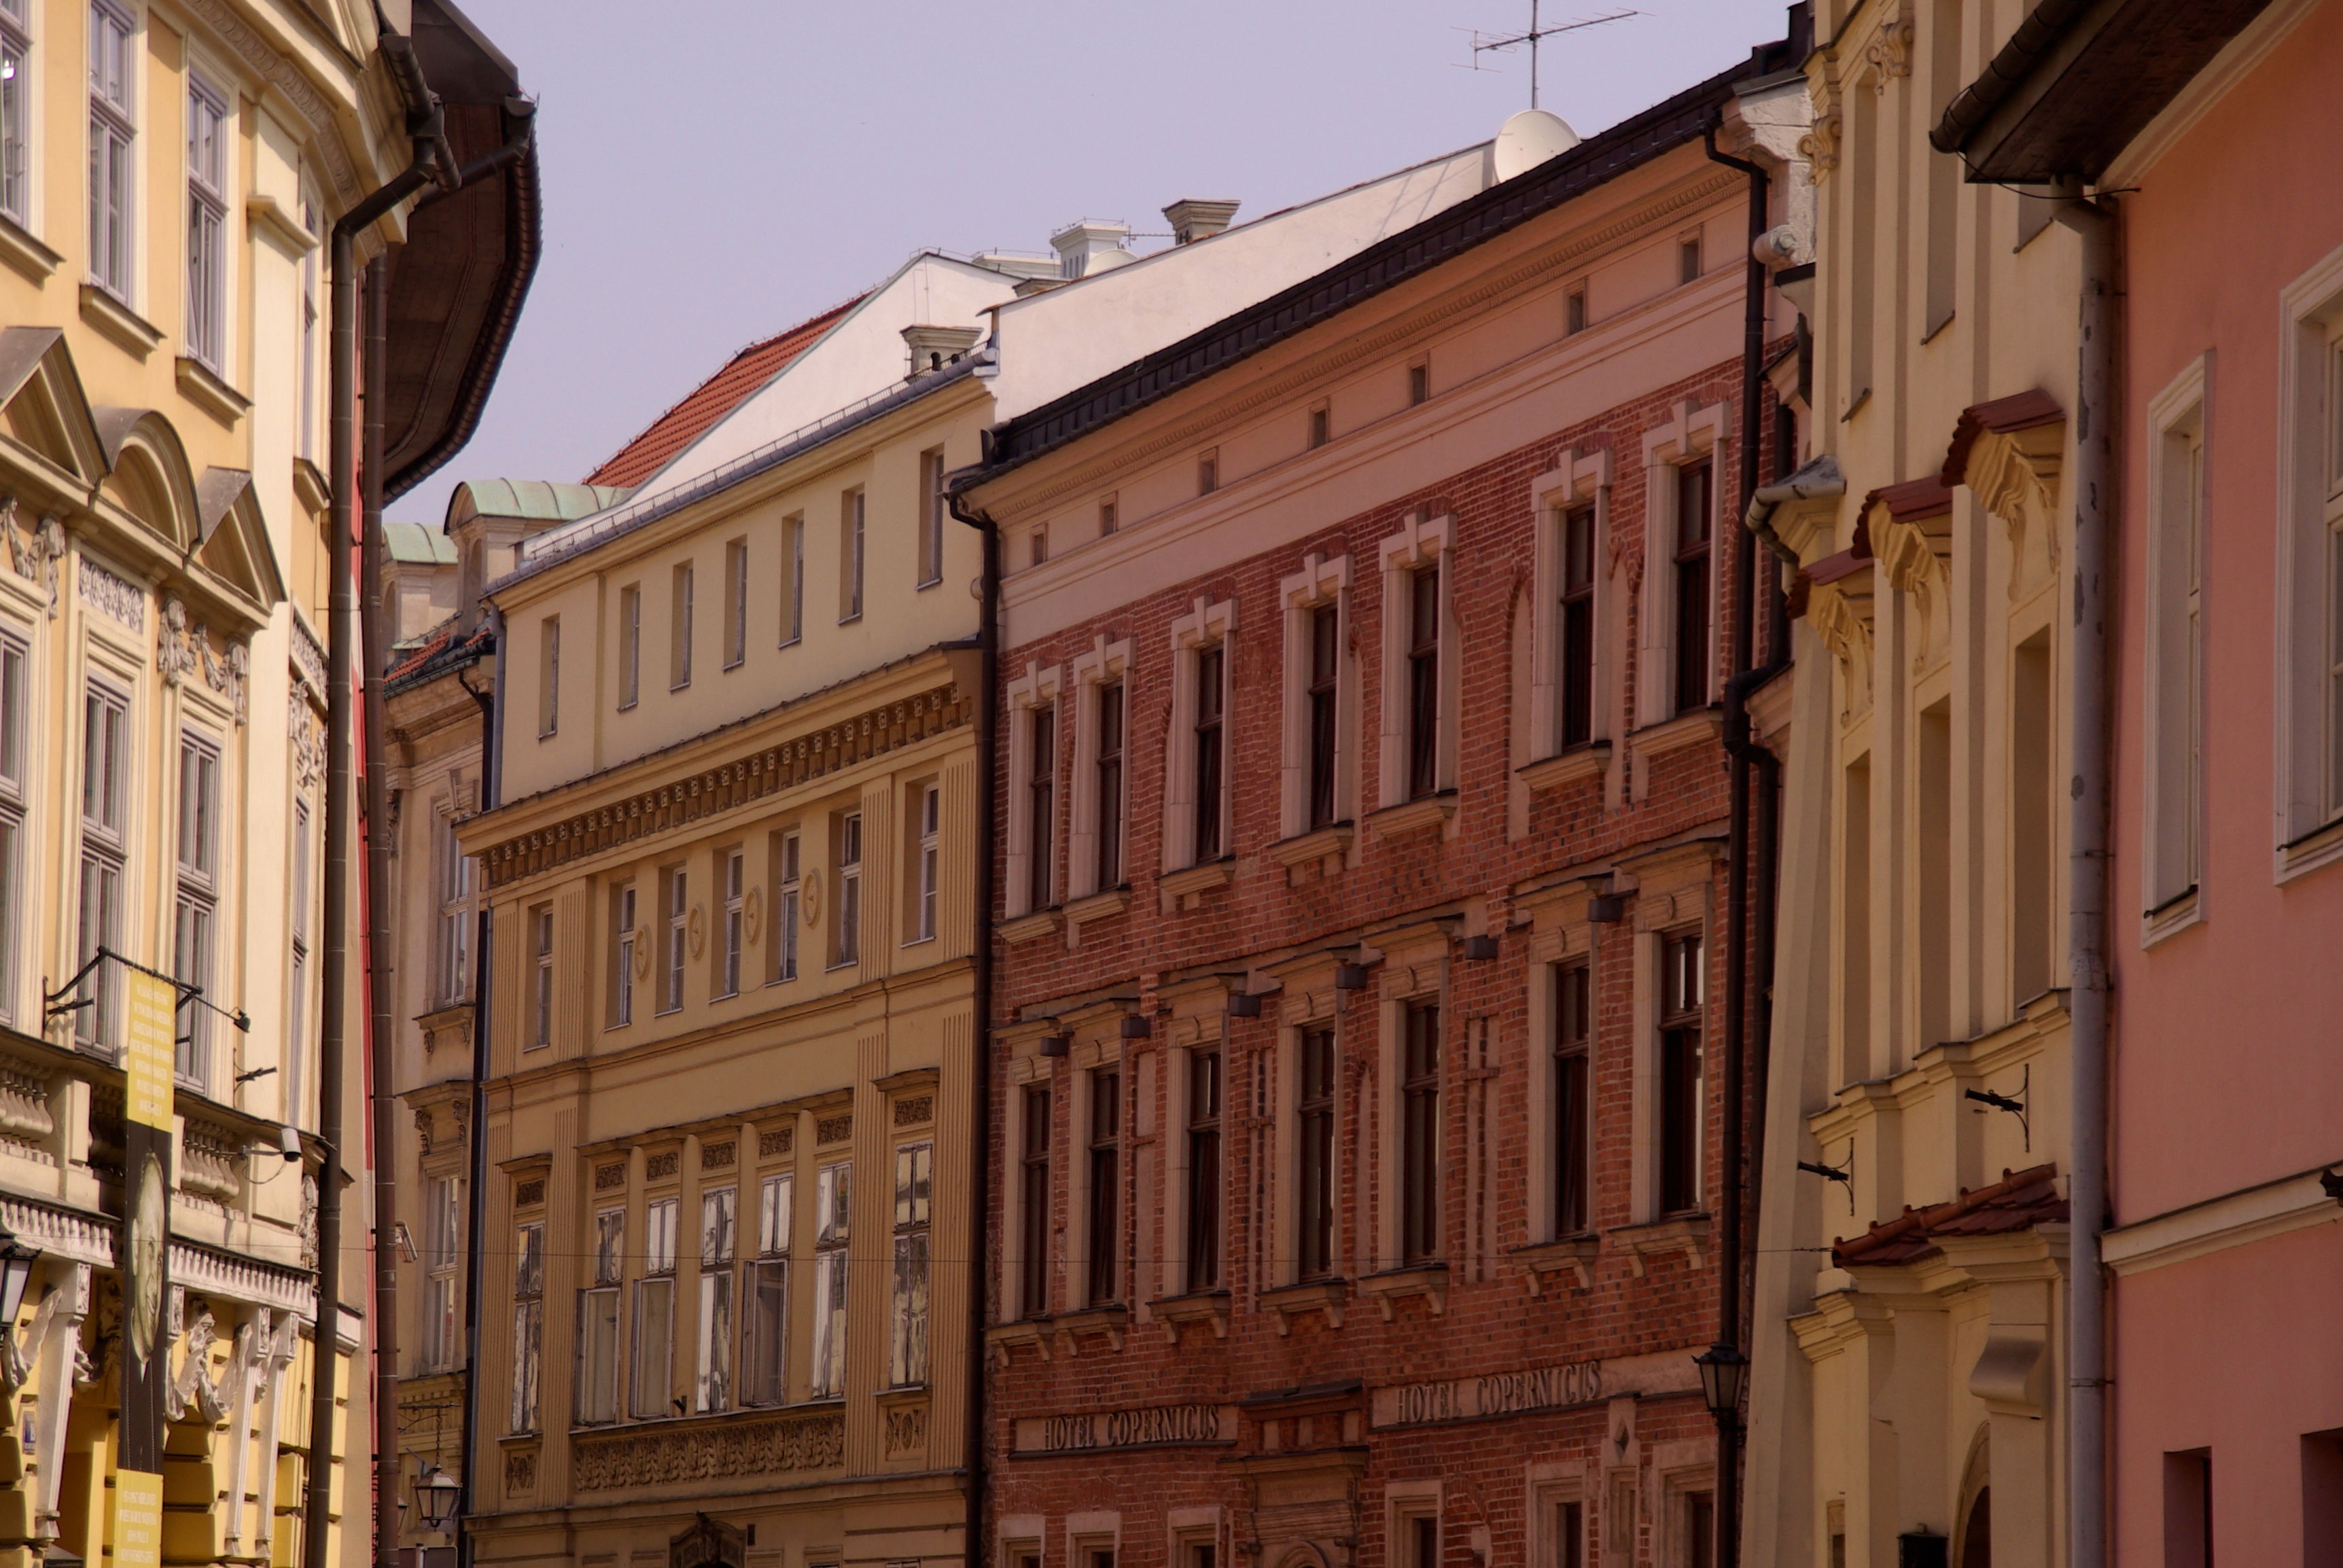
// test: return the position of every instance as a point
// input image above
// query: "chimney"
(1192, 219)
(1078, 242)
(933, 348)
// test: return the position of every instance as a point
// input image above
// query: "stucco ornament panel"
(1819, 146)
(34, 549)
(2015, 474)
(176, 654)
(1841, 614)
(1890, 52)
(1917, 557)
(750, 1448)
(112, 596)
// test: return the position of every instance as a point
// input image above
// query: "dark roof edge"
(1592, 163)
(1973, 104)
(457, 655)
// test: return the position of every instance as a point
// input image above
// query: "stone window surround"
(1036, 688)
(1208, 621)
(1425, 538)
(1582, 476)
(1321, 581)
(1693, 433)
(1101, 663)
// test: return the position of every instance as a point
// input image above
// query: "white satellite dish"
(1529, 139)
(1106, 261)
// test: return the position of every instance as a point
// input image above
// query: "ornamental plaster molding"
(1820, 145)
(1916, 560)
(1841, 615)
(225, 673)
(1890, 51)
(111, 594)
(622, 1460)
(309, 658)
(34, 549)
(253, 1282)
(175, 649)
(271, 67)
(2016, 475)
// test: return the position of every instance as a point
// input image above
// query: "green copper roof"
(415, 542)
(538, 500)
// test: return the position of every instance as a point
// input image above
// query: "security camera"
(288, 1141)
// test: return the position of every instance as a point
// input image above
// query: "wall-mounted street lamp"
(1723, 1372)
(437, 1492)
(17, 1257)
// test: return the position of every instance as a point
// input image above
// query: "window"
(195, 910)
(1041, 805)
(541, 1002)
(597, 1323)
(735, 903)
(549, 676)
(1323, 695)
(1688, 260)
(934, 507)
(207, 135)
(1207, 754)
(1109, 784)
(1575, 627)
(712, 1384)
(1694, 500)
(2176, 643)
(832, 1211)
(654, 1312)
(1421, 1532)
(792, 579)
(787, 890)
(1565, 1524)
(1419, 1195)
(927, 819)
(1107, 519)
(2188, 1511)
(1204, 1170)
(736, 603)
(1682, 981)
(1033, 1205)
(1317, 427)
(528, 1326)
(906, 1339)
(1573, 311)
(1698, 1514)
(1038, 545)
(1105, 1174)
(851, 508)
(1419, 384)
(1208, 473)
(113, 128)
(679, 918)
(442, 1253)
(1314, 1109)
(104, 788)
(1424, 682)
(679, 646)
(297, 1036)
(764, 1379)
(850, 891)
(15, 113)
(309, 355)
(622, 957)
(2037, 953)
(1573, 1106)
(631, 646)
(12, 815)
(455, 944)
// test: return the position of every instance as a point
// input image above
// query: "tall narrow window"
(631, 646)
(1208, 473)
(934, 507)
(528, 1326)
(736, 914)
(1423, 1540)
(850, 534)
(929, 819)
(1683, 982)
(2176, 642)
(549, 676)
(1575, 626)
(1688, 260)
(1204, 1170)
(788, 891)
(105, 806)
(654, 1361)
(907, 1339)
(308, 436)
(1424, 682)
(1574, 312)
(597, 1323)
(1210, 758)
(832, 1214)
(1110, 785)
(12, 819)
(16, 112)
(208, 136)
(1314, 1111)
(1419, 382)
(736, 603)
(1573, 1110)
(1694, 495)
(296, 1036)
(1419, 1193)
(679, 917)
(1033, 1206)
(678, 625)
(112, 126)
(764, 1376)
(1105, 1226)
(1041, 808)
(442, 1253)
(1108, 520)
(1699, 1529)
(195, 913)
(850, 889)
(1317, 427)
(792, 579)
(622, 957)
(2188, 1513)
(712, 1384)
(1325, 675)
(1565, 1525)
(541, 1002)
(2032, 875)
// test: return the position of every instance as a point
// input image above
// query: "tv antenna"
(1488, 43)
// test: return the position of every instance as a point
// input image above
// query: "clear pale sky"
(718, 169)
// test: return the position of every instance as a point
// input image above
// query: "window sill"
(1004, 1338)
(1187, 887)
(1685, 1233)
(28, 255)
(1694, 727)
(118, 321)
(2309, 852)
(2172, 917)
(1414, 816)
(309, 487)
(1030, 927)
(1198, 1307)
(1109, 1324)
(1566, 768)
(1103, 906)
(265, 213)
(1324, 849)
(201, 386)
(1290, 1302)
(1542, 1261)
(1428, 1281)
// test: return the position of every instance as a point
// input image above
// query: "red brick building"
(1362, 808)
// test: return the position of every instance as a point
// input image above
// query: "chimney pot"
(1192, 219)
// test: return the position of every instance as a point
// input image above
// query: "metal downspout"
(2087, 888)
(380, 1031)
(476, 1201)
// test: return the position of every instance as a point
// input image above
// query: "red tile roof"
(2020, 1200)
(713, 399)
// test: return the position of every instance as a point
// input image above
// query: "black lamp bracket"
(55, 1004)
(2017, 1107)
(1842, 1174)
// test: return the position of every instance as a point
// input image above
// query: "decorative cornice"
(761, 773)
(268, 64)
(208, 1273)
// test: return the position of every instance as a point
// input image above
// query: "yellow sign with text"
(137, 1520)
(154, 1025)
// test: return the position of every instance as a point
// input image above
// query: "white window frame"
(853, 520)
(206, 333)
(736, 603)
(625, 938)
(679, 625)
(541, 991)
(1693, 433)
(1566, 944)
(1583, 479)
(2172, 759)
(712, 1375)
(833, 1227)
(675, 911)
(651, 1400)
(733, 865)
(527, 1412)
(1207, 623)
(196, 916)
(927, 860)
(776, 1206)
(549, 678)
(20, 109)
(934, 507)
(113, 122)
(2309, 789)
(454, 872)
(631, 646)
(596, 1395)
(1425, 542)
(104, 858)
(443, 1257)
(793, 536)
(15, 663)
(297, 982)
(1318, 584)
(847, 852)
(1310, 1010)
(1035, 691)
(789, 903)
(1101, 664)
(910, 1298)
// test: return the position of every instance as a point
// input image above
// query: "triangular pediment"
(235, 550)
(44, 415)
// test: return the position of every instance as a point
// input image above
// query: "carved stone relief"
(112, 596)
(34, 549)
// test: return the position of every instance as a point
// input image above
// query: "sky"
(716, 170)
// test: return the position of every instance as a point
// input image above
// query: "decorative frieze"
(907, 1428)
(663, 1167)
(776, 1140)
(609, 1178)
(112, 596)
(529, 1194)
(834, 1129)
(718, 1156)
(915, 1110)
(308, 739)
(520, 1469)
(768, 1447)
(309, 659)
